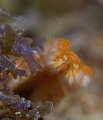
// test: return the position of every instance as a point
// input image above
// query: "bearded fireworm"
(65, 63)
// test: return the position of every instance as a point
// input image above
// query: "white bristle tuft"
(79, 77)
(86, 80)
(50, 63)
(71, 80)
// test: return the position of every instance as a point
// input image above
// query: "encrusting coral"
(14, 47)
(62, 69)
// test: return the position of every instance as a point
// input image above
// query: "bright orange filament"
(63, 45)
(68, 62)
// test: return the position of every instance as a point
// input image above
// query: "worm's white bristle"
(86, 80)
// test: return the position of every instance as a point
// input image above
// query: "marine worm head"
(63, 61)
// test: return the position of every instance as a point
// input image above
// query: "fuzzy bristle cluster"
(64, 61)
